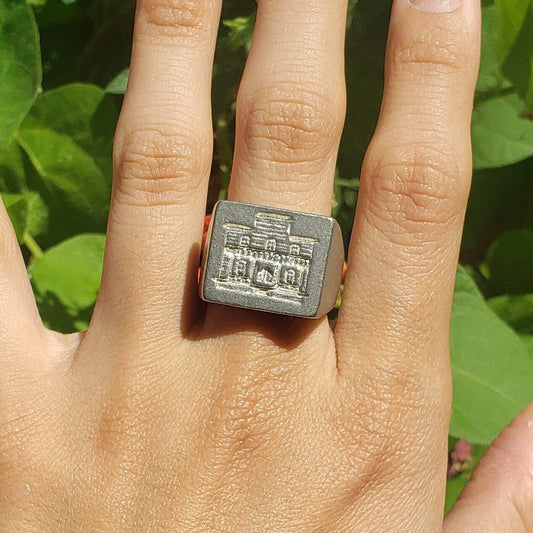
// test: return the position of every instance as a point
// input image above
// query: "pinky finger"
(499, 498)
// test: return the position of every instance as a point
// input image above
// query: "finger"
(163, 150)
(499, 497)
(392, 332)
(291, 106)
(415, 183)
(21, 326)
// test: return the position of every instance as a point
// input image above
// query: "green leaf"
(20, 65)
(12, 178)
(17, 209)
(27, 213)
(512, 14)
(37, 214)
(528, 343)
(69, 181)
(492, 372)
(490, 77)
(518, 64)
(515, 310)
(66, 280)
(501, 133)
(68, 138)
(84, 113)
(509, 262)
(118, 84)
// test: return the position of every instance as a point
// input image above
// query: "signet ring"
(273, 260)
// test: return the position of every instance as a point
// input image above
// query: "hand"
(173, 415)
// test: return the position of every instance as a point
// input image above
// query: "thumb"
(499, 496)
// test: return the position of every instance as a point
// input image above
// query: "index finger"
(162, 156)
(393, 327)
(414, 188)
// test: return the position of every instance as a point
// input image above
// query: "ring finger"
(291, 105)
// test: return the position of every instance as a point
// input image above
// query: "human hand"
(169, 414)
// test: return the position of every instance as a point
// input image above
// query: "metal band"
(272, 260)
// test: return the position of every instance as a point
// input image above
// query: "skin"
(172, 415)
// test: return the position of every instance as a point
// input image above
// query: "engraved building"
(265, 259)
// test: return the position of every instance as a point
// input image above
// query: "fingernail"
(436, 6)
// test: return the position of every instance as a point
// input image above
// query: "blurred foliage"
(60, 94)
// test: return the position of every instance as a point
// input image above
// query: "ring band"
(272, 260)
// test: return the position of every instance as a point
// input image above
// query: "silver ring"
(272, 260)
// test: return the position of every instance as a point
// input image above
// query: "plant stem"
(35, 250)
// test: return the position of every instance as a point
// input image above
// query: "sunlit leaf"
(502, 133)
(20, 65)
(492, 371)
(66, 279)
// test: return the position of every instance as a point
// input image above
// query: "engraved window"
(295, 249)
(271, 245)
(245, 240)
(240, 268)
(290, 276)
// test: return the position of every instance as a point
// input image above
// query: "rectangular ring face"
(266, 259)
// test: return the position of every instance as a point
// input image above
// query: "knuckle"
(438, 51)
(178, 17)
(289, 125)
(418, 187)
(155, 167)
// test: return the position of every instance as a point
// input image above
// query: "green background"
(60, 93)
